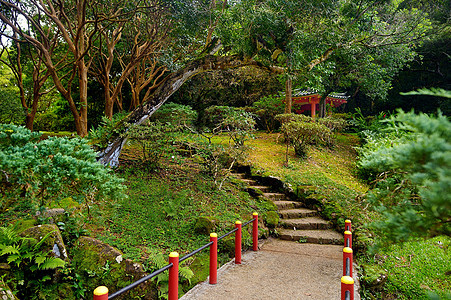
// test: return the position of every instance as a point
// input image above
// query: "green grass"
(162, 208)
(331, 171)
(418, 267)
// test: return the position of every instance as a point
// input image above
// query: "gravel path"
(280, 270)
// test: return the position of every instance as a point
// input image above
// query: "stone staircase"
(297, 223)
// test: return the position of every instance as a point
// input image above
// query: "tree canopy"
(149, 48)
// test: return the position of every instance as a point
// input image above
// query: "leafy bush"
(214, 115)
(361, 123)
(266, 109)
(50, 170)
(413, 187)
(302, 134)
(155, 139)
(218, 159)
(301, 131)
(100, 136)
(175, 114)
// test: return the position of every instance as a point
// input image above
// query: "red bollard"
(348, 225)
(347, 261)
(214, 258)
(101, 293)
(173, 292)
(255, 232)
(348, 239)
(238, 243)
(347, 288)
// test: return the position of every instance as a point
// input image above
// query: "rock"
(51, 213)
(54, 243)
(5, 292)
(204, 225)
(102, 264)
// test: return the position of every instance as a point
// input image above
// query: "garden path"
(283, 268)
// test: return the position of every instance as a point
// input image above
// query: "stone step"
(275, 196)
(297, 213)
(310, 223)
(238, 175)
(249, 181)
(287, 204)
(312, 236)
(262, 188)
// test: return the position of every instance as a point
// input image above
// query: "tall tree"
(283, 37)
(73, 24)
(24, 62)
(129, 51)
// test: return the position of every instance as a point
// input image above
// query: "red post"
(173, 292)
(347, 288)
(348, 225)
(348, 239)
(347, 261)
(313, 109)
(238, 243)
(101, 293)
(214, 258)
(255, 232)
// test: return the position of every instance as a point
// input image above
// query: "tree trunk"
(110, 154)
(322, 104)
(288, 96)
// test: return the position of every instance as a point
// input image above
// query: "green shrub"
(175, 114)
(300, 131)
(362, 123)
(266, 109)
(413, 191)
(155, 140)
(50, 170)
(214, 115)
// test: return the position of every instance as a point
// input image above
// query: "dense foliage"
(410, 162)
(45, 172)
(28, 261)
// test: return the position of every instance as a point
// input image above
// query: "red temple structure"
(309, 100)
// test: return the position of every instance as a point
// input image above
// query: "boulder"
(54, 243)
(204, 225)
(102, 264)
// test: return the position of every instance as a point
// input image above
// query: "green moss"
(204, 225)
(200, 267)
(68, 202)
(303, 191)
(96, 263)
(24, 224)
(271, 219)
(268, 205)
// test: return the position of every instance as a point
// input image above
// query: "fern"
(52, 263)
(9, 249)
(8, 235)
(39, 259)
